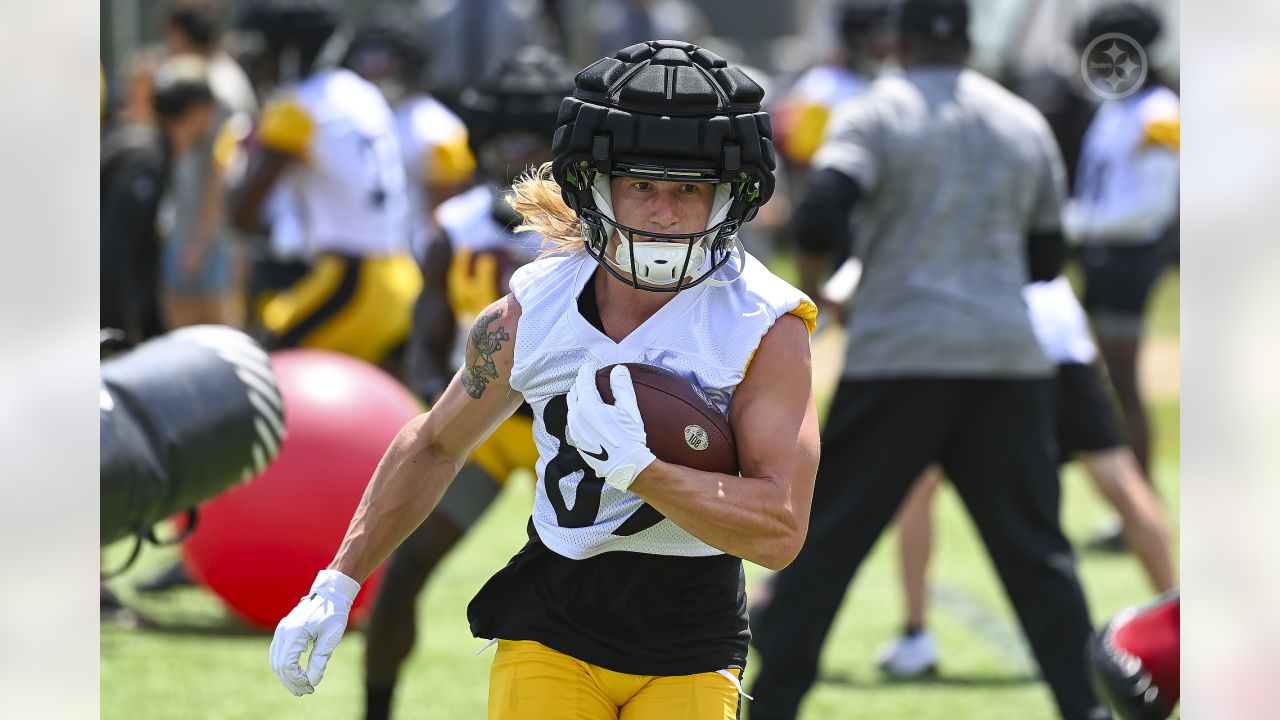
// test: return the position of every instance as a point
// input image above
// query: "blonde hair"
(536, 196)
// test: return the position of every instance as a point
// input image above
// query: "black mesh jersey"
(629, 612)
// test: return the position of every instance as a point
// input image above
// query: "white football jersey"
(468, 220)
(1059, 322)
(706, 334)
(349, 181)
(1127, 182)
(433, 143)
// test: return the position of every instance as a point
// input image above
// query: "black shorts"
(1085, 412)
(1119, 278)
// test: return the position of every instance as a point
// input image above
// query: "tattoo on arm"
(480, 369)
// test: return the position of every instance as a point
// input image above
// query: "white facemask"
(659, 263)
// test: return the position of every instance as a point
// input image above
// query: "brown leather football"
(682, 426)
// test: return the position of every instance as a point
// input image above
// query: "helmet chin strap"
(659, 263)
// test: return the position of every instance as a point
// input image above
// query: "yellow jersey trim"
(1165, 133)
(286, 127)
(449, 162)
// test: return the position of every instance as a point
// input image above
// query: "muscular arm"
(762, 516)
(427, 453)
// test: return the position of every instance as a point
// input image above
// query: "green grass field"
(203, 664)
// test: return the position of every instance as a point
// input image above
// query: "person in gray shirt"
(960, 186)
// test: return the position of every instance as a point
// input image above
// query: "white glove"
(610, 438)
(321, 617)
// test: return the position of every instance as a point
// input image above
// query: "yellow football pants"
(358, 306)
(530, 681)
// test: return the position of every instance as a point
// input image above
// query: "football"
(682, 426)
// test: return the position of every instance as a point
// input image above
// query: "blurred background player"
(803, 111)
(325, 176)
(963, 185)
(1087, 430)
(137, 156)
(200, 257)
(1125, 199)
(802, 114)
(511, 117)
(327, 140)
(388, 51)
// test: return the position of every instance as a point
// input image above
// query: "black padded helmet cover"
(665, 110)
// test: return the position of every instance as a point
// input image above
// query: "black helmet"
(389, 51)
(294, 29)
(664, 110)
(1136, 20)
(859, 19)
(522, 95)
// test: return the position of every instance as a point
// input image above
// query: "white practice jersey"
(282, 213)
(1059, 322)
(433, 150)
(706, 334)
(469, 221)
(349, 180)
(1127, 183)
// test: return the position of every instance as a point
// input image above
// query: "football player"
(328, 138)
(628, 598)
(803, 111)
(1125, 198)
(467, 267)
(388, 52)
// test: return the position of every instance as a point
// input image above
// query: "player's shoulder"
(501, 314)
(1160, 104)
(546, 276)
(758, 289)
(491, 343)
(338, 93)
(430, 116)
(464, 209)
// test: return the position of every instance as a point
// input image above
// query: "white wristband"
(331, 583)
(622, 476)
